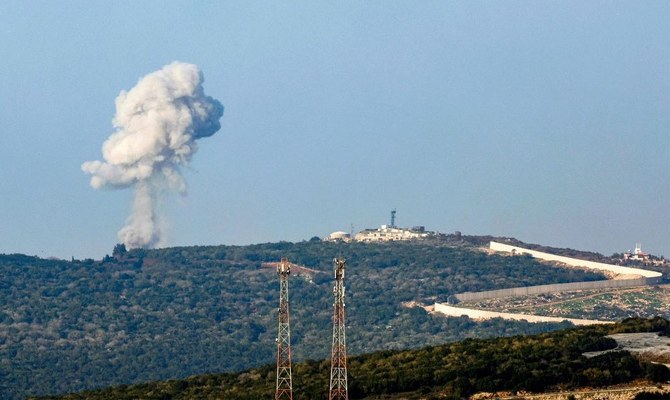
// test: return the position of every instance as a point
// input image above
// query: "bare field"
(648, 346)
(608, 304)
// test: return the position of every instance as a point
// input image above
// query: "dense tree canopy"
(158, 314)
(529, 363)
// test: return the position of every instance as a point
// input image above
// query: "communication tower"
(393, 218)
(338, 357)
(284, 380)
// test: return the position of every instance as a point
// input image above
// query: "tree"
(657, 373)
(119, 250)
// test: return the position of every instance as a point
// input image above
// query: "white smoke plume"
(157, 124)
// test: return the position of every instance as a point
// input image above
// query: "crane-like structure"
(284, 380)
(338, 357)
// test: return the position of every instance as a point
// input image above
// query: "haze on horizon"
(545, 121)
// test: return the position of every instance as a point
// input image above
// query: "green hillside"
(530, 363)
(66, 326)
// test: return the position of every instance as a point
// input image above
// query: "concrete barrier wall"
(553, 288)
(642, 277)
(481, 314)
(617, 269)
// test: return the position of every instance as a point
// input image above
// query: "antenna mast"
(284, 380)
(338, 358)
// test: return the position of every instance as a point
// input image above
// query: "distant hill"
(451, 371)
(142, 315)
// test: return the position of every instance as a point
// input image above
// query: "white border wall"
(551, 288)
(617, 269)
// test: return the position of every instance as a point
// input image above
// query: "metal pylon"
(284, 380)
(338, 357)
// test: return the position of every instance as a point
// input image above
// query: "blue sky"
(545, 121)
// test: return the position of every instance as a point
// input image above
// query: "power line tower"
(338, 357)
(284, 380)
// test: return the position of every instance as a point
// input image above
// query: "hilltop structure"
(339, 236)
(384, 233)
(638, 255)
(387, 233)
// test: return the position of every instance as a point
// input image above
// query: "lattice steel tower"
(284, 380)
(338, 357)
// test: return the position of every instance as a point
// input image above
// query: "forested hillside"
(452, 371)
(148, 315)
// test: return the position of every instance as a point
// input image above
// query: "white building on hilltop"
(387, 233)
(338, 236)
(638, 255)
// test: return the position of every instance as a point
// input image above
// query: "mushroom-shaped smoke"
(157, 124)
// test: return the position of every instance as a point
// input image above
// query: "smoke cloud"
(157, 124)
